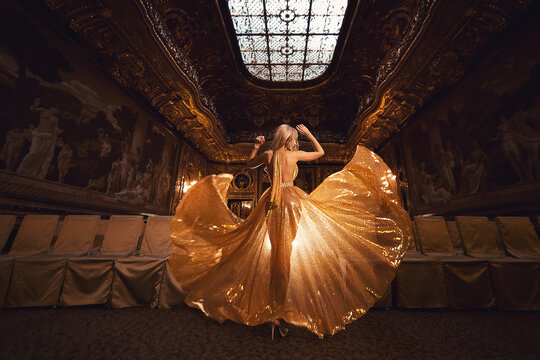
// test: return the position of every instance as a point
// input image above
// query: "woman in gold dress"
(318, 260)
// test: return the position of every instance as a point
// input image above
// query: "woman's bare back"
(290, 157)
(288, 165)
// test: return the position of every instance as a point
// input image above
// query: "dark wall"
(476, 149)
(70, 137)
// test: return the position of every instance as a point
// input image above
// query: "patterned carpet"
(184, 333)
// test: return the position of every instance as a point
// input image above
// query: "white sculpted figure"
(36, 162)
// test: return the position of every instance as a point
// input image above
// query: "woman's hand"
(312, 155)
(258, 141)
(302, 129)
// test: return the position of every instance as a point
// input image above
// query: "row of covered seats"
(477, 236)
(86, 235)
(471, 262)
(84, 260)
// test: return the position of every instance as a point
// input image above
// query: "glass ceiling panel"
(287, 40)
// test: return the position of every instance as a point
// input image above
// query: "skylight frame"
(259, 52)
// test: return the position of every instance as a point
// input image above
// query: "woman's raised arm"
(254, 159)
(312, 155)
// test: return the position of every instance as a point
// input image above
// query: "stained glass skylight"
(287, 40)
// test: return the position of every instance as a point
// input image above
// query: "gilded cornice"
(440, 44)
(452, 38)
(125, 39)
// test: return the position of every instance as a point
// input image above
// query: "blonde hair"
(285, 136)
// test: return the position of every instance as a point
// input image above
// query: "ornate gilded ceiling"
(245, 108)
(177, 56)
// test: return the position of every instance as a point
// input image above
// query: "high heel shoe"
(281, 328)
(283, 331)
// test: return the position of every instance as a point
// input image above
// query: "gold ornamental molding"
(440, 44)
(451, 39)
(122, 35)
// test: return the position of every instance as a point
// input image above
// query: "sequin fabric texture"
(318, 260)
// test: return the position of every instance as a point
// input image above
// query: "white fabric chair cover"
(87, 281)
(100, 234)
(122, 235)
(6, 225)
(455, 237)
(157, 236)
(480, 236)
(413, 245)
(36, 281)
(468, 283)
(171, 293)
(6, 265)
(519, 237)
(516, 283)
(137, 281)
(34, 235)
(419, 283)
(77, 234)
(433, 235)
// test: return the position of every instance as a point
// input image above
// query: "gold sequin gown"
(318, 260)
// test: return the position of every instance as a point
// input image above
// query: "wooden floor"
(184, 333)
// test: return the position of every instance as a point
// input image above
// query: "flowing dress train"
(318, 260)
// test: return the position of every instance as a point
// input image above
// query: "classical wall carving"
(69, 135)
(476, 149)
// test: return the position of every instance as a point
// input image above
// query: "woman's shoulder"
(293, 153)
